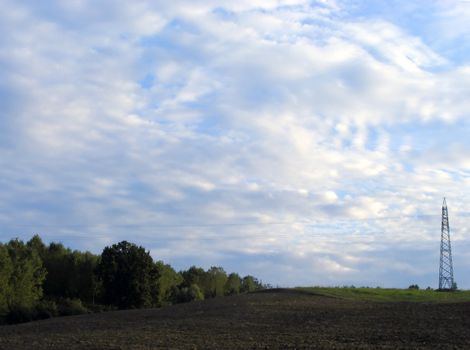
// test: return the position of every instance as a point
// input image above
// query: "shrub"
(68, 307)
(454, 286)
(20, 314)
(195, 293)
(46, 309)
(414, 286)
(185, 294)
(95, 308)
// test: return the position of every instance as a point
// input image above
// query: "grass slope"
(390, 295)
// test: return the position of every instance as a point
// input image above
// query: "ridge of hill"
(390, 294)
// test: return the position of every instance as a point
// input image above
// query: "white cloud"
(280, 123)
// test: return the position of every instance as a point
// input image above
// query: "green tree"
(167, 280)
(214, 282)
(249, 284)
(127, 274)
(187, 294)
(70, 274)
(233, 284)
(194, 275)
(84, 284)
(60, 270)
(36, 244)
(6, 270)
(27, 275)
(195, 293)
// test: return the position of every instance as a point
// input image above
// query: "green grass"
(390, 295)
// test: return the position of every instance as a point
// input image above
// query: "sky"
(303, 142)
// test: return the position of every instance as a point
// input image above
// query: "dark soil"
(276, 319)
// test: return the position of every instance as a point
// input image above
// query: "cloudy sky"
(303, 142)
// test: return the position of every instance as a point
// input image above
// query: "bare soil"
(274, 319)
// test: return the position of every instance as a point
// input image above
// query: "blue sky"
(304, 142)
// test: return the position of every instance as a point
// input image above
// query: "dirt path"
(277, 319)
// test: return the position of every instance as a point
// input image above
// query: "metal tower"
(446, 271)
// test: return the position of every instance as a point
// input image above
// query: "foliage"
(214, 282)
(187, 294)
(195, 293)
(26, 277)
(167, 280)
(250, 284)
(39, 280)
(20, 314)
(47, 309)
(127, 274)
(23, 313)
(233, 284)
(194, 275)
(6, 269)
(68, 307)
(70, 274)
(414, 286)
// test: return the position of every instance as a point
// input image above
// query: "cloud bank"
(303, 142)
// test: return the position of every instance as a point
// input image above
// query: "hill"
(272, 319)
(390, 294)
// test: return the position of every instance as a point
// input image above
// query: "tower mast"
(446, 270)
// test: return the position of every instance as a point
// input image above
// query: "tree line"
(40, 281)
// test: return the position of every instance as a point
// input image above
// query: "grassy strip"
(390, 295)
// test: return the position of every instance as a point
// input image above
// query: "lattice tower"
(446, 270)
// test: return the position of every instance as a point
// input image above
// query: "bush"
(68, 307)
(46, 309)
(414, 286)
(195, 293)
(42, 310)
(20, 314)
(185, 294)
(96, 308)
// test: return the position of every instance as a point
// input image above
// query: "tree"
(6, 270)
(233, 284)
(187, 294)
(127, 274)
(36, 244)
(167, 280)
(194, 275)
(195, 293)
(124, 276)
(60, 271)
(84, 284)
(249, 284)
(69, 274)
(27, 275)
(214, 282)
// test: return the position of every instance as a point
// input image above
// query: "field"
(273, 319)
(390, 295)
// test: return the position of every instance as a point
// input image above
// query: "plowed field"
(274, 319)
